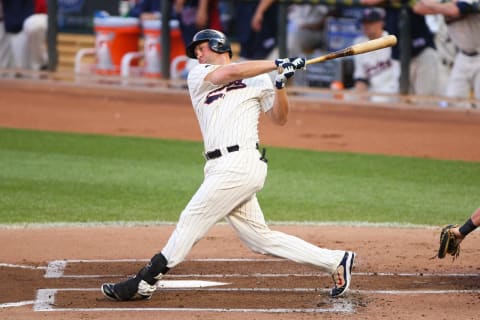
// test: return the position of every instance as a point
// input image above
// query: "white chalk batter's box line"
(45, 298)
(45, 301)
(56, 269)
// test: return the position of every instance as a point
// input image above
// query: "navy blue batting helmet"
(217, 42)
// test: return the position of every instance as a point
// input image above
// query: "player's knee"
(260, 239)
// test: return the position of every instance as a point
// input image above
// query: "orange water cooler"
(114, 37)
(152, 45)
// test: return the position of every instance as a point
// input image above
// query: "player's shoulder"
(197, 75)
(201, 67)
(200, 70)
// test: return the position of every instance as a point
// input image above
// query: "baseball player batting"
(228, 99)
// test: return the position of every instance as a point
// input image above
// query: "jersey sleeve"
(196, 79)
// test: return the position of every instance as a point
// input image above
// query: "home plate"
(188, 284)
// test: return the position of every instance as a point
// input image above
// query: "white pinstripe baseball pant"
(228, 191)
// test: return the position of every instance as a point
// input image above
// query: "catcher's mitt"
(448, 242)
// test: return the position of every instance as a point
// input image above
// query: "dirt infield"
(55, 273)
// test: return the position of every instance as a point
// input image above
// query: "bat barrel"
(371, 45)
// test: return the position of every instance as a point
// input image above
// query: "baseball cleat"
(123, 292)
(343, 275)
(108, 290)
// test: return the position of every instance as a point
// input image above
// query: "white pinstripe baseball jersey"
(228, 114)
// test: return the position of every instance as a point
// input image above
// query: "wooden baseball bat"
(367, 46)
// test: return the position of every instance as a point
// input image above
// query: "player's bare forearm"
(476, 217)
(470, 225)
(247, 69)
(425, 7)
(279, 113)
(201, 20)
(372, 2)
(257, 19)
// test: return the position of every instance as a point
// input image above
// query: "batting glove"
(298, 63)
(282, 78)
(280, 62)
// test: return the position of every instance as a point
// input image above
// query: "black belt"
(217, 153)
(470, 54)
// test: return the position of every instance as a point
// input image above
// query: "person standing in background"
(146, 10)
(6, 58)
(195, 15)
(463, 25)
(256, 31)
(306, 24)
(35, 28)
(26, 23)
(375, 71)
(428, 76)
(443, 42)
(306, 33)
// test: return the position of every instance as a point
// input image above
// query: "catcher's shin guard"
(142, 285)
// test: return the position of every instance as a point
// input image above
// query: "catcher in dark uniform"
(452, 235)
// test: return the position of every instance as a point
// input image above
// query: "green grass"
(58, 177)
